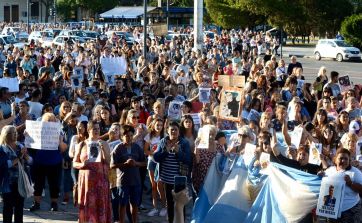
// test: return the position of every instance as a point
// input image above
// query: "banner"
(42, 135)
(114, 65)
(11, 83)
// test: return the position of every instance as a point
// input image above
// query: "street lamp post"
(145, 29)
(27, 16)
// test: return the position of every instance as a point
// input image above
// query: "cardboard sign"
(230, 104)
(231, 81)
(296, 136)
(330, 198)
(11, 83)
(42, 135)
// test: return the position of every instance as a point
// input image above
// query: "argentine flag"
(287, 195)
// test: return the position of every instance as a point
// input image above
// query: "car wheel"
(317, 56)
(339, 57)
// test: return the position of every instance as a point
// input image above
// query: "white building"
(16, 11)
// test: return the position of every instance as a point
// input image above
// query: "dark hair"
(187, 104)
(303, 149)
(91, 124)
(182, 128)
(3, 90)
(45, 107)
(126, 129)
(174, 124)
(36, 93)
(334, 74)
(343, 151)
(220, 135)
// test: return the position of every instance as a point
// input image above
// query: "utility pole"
(198, 31)
(145, 29)
(27, 16)
(167, 15)
(55, 12)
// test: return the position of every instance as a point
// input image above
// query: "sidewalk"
(69, 214)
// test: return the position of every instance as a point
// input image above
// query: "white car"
(40, 36)
(61, 40)
(7, 40)
(16, 32)
(337, 49)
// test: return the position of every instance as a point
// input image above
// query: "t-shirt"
(35, 108)
(127, 176)
(351, 198)
(154, 141)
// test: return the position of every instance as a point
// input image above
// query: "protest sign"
(197, 120)
(174, 110)
(42, 135)
(11, 83)
(78, 71)
(204, 95)
(296, 136)
(264, 160)
(249, 153)
(314, 151)
(94, 151)
(110, 80)
(231, 81)
(330, 198)
(76, 81)
(345, 83)
(114, 65)
(230, 104)
(91, 90)
(204, 137)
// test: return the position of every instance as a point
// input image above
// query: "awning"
(125, 12)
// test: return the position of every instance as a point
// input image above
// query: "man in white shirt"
(35, 107)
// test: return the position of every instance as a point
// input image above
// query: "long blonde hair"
(5, 132)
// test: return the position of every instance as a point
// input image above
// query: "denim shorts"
(130, 194)
(151, 165)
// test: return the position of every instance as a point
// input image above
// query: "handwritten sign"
(11, 83)
(42, 135)
(231, 81)
(114, 65)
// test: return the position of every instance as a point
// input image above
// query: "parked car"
(79, 33)
(61, 40)
(40, 36)
(16, 32)
(122, 35)
(336, 49)
(55, 32)
(7, 40)
(92, 35)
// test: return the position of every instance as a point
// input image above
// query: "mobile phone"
(180, 183)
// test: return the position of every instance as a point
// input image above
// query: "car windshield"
(342, 44)
(80, 33)
(16, 29)
(77, 39)
(9, 39)
(47, 34)
(92, 34)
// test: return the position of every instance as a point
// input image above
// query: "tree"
(65, 8)
(97, 6)
(351, 30)
(228, 14)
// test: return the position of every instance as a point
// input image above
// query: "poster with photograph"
(76, 81)
(345, 83)
(78, 71)
(174, 110)
(197, 120)
(204, 95)
(264, 160)
(315, 150)
(204, 137)
(91, 90)
(230, 104)
(296, 136)
(330, 198)
(110, 80)
(94, 151)
(249, 153)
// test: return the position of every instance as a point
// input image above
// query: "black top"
(309, 168)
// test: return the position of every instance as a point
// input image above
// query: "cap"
(354, 127)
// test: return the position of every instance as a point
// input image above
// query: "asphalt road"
(311, 66)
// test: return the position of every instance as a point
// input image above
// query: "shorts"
(130, 194)
(151, 165)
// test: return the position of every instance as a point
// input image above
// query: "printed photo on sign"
(94, 151)
(230, 104)
(264, 160)
(76, 82)
(345, 83)
(174, 110)
(204, 95)
(330, 198)
(204, 137)
(78, 71)
(296, 136)
(91, 90)
(110, 80)
(314, 151)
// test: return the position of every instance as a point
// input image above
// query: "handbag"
(25, 188)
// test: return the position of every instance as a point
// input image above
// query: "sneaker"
(54, 206)
(163, 212)
(152, 213)
(35, 206)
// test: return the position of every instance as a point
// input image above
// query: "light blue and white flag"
(288, 195)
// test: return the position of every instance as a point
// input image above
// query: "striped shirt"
(170, 169)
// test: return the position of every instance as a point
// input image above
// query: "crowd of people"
(129, 122)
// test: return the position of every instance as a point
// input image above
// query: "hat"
(354, 127)
(245, 130)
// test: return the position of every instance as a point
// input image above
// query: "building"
(16, 11)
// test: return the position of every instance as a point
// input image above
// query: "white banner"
(114, 65)
(11, 83)
(42, 135)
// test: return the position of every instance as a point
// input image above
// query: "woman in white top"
(351, 203)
